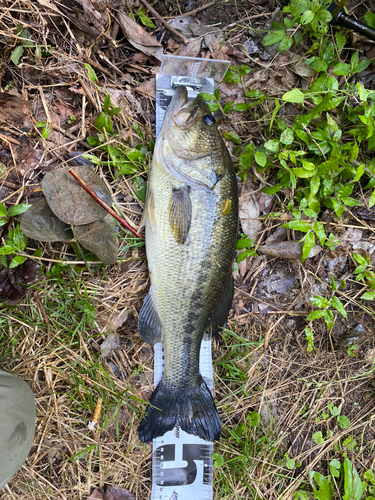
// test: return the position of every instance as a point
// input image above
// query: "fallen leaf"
(192, 49)
(100, 238)
(139, 37)
(289, 250)
(41, 224)
(69, 201)
(109, 344)
(117, 493)
(148, 87)
(249, 212)
(14, 282)
(95, 495)
(12, 108)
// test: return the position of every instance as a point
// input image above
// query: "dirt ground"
(71, 331)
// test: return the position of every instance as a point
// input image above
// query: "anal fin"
(149, 325)
(220, 314)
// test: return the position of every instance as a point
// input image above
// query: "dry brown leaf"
(139, 37)
(100, 238)
(69, 201)
(117, 493)
(95, 495)
(148, 87)
(41, 224)
(12, 108)
(249, 211)
(289, 250)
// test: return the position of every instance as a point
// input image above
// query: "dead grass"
(53, 337)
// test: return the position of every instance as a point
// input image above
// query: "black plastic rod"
(342, 19)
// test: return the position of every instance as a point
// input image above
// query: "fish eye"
(209, 120)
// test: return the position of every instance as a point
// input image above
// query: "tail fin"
(192, 407)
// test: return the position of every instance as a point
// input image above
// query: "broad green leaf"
(140, 188)
(18, 209)
(247, 253)
(287, 136)
(325, 491)
(241, 106)
(340, 41)
(16, 54)
(107, 103)
(232, 136)
(344, 423)
(350, 202)
(372, 199)
(3, 210)
(232, 76)
(17, 261)
(315, 315)
(298, 225)
(319, 65)
(217, 93)
(368, 296)
(260, 158)
(362, 65)
(354, 60)
(307, 17)
(285, 44)
(253, 418)
(91, 73)
(352, 482)
(206, 96)
(244, 243)
(319, 231)
(337, 304)
(45, 133)
(314, 185)
(228, 107)
(218, 460)
(334, 466)
(273, 37)
(370, 19)
(309, 242)
(319, 301)
(345, 190)
(302, 173)
(272, 189)
(328, 318)
(341, 69)
(272, 145)
(142, 14)
(318, 438)
(294, 95)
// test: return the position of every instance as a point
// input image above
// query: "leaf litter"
(286, 385)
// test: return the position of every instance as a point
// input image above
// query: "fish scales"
(190, 242)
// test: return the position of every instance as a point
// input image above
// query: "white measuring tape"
(181, 462)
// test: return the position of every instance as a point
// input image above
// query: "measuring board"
(181, 462)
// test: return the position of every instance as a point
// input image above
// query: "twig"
(106, 207)
(199, 9)
(164, 22)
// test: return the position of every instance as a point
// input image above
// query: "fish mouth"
(181, 111)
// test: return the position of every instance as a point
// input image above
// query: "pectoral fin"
(149, 325)
(220, 314)
(180, 213)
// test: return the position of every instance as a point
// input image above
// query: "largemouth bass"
(191, 223)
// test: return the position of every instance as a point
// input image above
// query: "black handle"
(342, 19)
